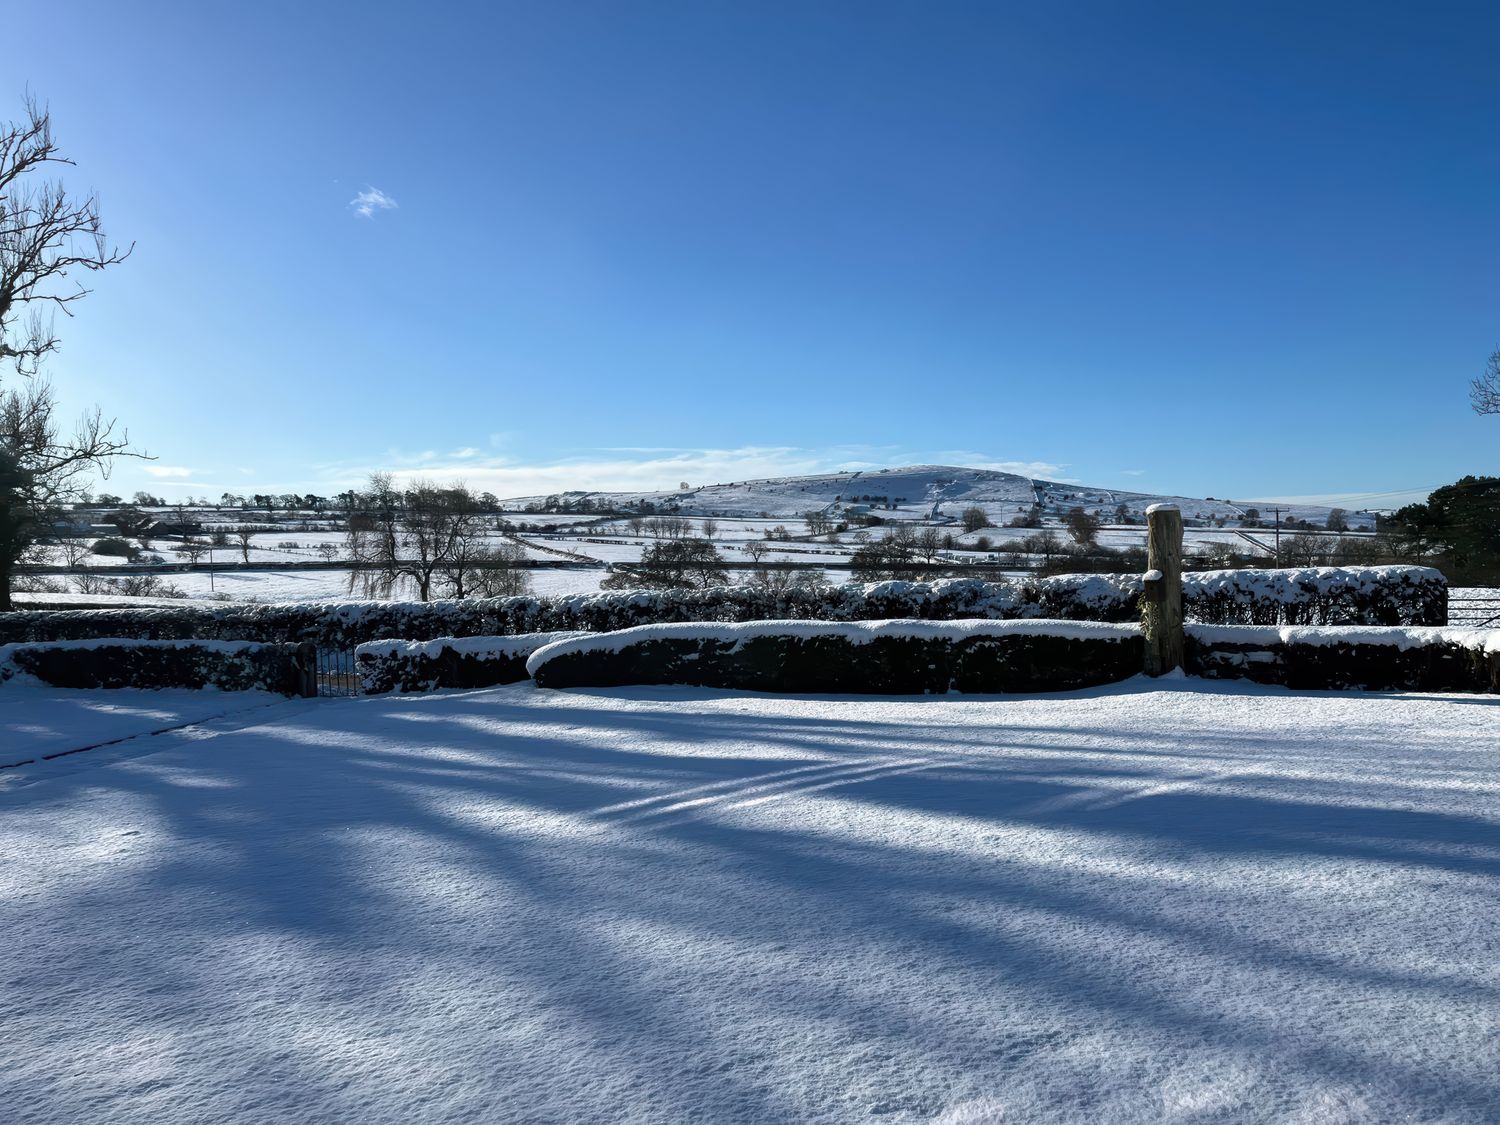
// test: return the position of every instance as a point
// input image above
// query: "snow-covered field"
(1153, 902)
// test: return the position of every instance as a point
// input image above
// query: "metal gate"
(1474, 605)
(336, 675)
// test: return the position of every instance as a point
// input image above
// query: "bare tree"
(1484, 392)
(668, 527)
(677, 564)
(402, 537)
(975, 518)
(74, 552)
(710, 528)
(192, 550)
(818, 523)
(242, 536)
(46, 237)
(1305, 549)
(927, 543)
(431, 537)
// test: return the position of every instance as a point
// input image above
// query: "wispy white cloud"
(1132, 472)
(1395, 498)
(971, 459)
(169, 470)
(372, 199)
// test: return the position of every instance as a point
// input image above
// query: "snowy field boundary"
(1313, 596)
(904, 657)
(1414, 658)
(285, 669)
(447, 662)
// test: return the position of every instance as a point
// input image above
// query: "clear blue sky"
(1242, 250)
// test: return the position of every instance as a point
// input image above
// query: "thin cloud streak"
(372, 199)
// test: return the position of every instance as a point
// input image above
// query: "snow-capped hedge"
(111, 663)
(1356, 596)
(1374, 659)
(1318, 595)
(448, 662)
(875, 657)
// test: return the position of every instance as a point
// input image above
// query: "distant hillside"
(921, 492)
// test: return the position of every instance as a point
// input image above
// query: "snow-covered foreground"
(1154, 902)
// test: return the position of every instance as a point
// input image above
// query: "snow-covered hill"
(924, 492)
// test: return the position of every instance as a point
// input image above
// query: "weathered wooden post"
(1161, 604)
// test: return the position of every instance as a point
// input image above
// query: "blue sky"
(1242, 250)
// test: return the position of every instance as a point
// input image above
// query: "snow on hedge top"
(1287, 582)
(1363, 595)
(1164, 507)
(482, 648)
(855, 632)
(11, 668)
(1400, 636)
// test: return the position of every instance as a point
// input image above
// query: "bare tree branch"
(1484, 392)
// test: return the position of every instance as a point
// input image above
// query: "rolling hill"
(924, 492)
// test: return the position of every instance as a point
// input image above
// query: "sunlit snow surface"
(1171, 902)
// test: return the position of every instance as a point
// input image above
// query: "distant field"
(304, 555)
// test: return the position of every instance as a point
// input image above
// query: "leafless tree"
(668, 527)
(710, 528)
(74, 552)
(1484, 392)
(91, 583)
(47, 238)
(242, 536)
(927, 543)
(192, 550)
(1306, 549)
(975, 518)
(431, 537)
(478, 567)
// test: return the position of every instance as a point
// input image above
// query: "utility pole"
(1278, 535)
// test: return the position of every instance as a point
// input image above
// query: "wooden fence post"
(1161, 604)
